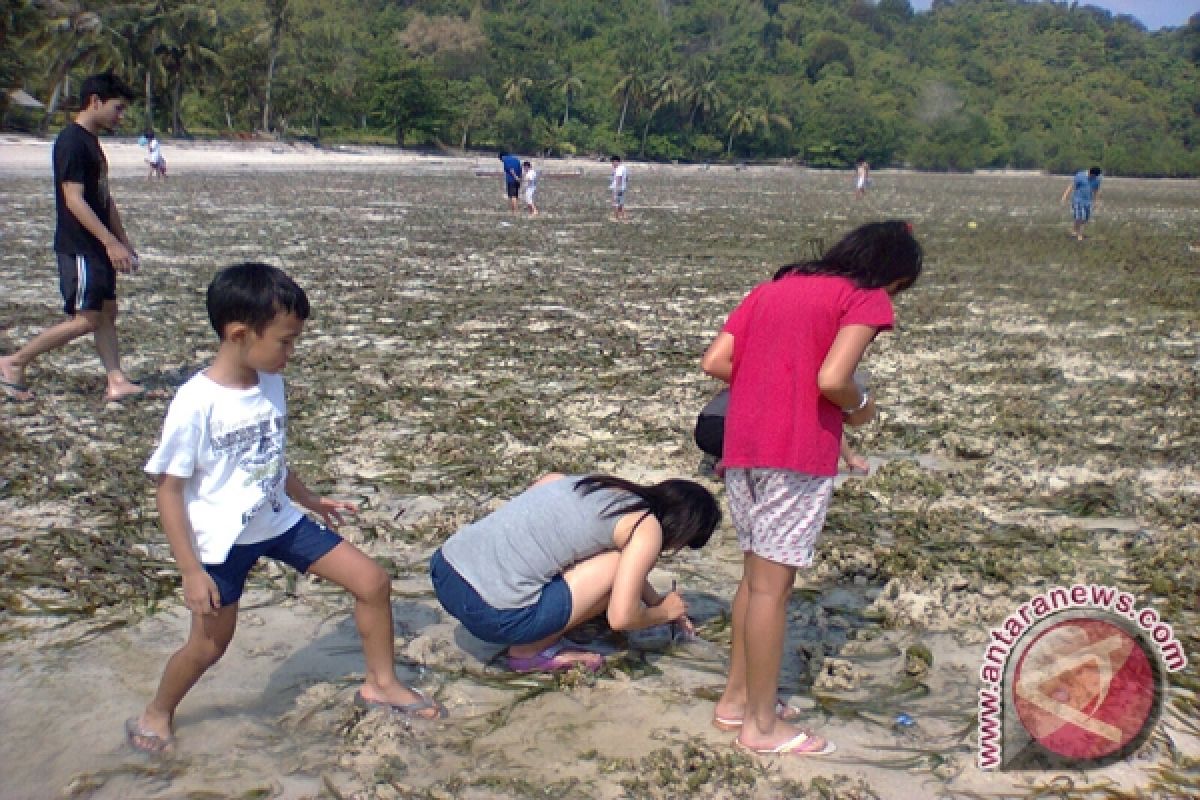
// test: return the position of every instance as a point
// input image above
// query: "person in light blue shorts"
(568, 549)
(1084, 191)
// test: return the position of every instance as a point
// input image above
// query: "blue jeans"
(549, 615)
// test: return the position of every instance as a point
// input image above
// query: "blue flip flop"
(144, 740)
(409, 710)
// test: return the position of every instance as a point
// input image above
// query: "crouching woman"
(568, 549)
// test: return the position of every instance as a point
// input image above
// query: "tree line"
(969, 84)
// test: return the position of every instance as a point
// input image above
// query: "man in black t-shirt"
(89, 241)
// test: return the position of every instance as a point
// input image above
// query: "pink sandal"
(783, 711)
(555, 659)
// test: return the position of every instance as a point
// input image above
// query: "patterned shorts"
(778, 513)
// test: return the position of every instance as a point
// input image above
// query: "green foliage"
(973, 83)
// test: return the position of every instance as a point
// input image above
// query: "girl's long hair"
(872, 256)
(687, 512)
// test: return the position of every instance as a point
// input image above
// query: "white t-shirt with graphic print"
(229, 445)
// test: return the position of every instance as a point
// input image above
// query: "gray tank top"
(509, 555)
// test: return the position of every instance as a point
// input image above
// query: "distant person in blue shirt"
(1083, 190)
(512, 178)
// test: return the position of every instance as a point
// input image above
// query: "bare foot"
(123, 391)
(858, 465)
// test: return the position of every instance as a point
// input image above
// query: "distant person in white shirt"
(618, 185)
(531, 185)
(154, 157)
(862, 178)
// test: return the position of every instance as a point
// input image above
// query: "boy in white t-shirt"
(618, 185)
(154, 156)
(531, 184)
(225, 500)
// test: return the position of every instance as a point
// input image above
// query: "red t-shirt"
(782, 332)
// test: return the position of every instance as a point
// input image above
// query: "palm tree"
(741, 120)
(568, 83)
(747, 119)
(702, 93)
(74, 36)
(187, 52)
(665, 90)
(630, 85)
(159, 35)
(278, 20)
(515, 88)
(669, 89)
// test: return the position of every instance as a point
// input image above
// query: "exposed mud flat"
(1038, 429)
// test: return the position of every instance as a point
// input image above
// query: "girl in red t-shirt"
(789, 352)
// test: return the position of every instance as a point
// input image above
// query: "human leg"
(768, 586)
(12, 368)
(119, 385)
(732, 704)
(207, 641)
(778, 515)
(350, 568)
(590, 583)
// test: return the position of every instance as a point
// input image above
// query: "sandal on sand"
(783, 711)
(134, 397)
(802, 744)
(144, 740)
(17, 391)
(554, 659)
(410, 710)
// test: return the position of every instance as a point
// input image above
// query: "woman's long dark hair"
(872, 256)
(687, 512)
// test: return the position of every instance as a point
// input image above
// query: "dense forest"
(969, 84)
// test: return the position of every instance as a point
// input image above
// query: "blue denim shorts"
(549, 615)
(301, 546)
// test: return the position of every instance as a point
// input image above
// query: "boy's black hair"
(615, 158)
(873, 256)
(1094, 171)
(105, 86)
(526, 164)
(254, 294)
(687, 512)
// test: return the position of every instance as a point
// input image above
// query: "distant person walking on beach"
(531, 185)
(862, 178)
(618, 185)
(512, 179)
(154, 157)
(90, 243)
(1084, 191)
(789, 351)
(225, 499)
(568, 549)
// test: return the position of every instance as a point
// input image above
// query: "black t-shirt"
(79, 159)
